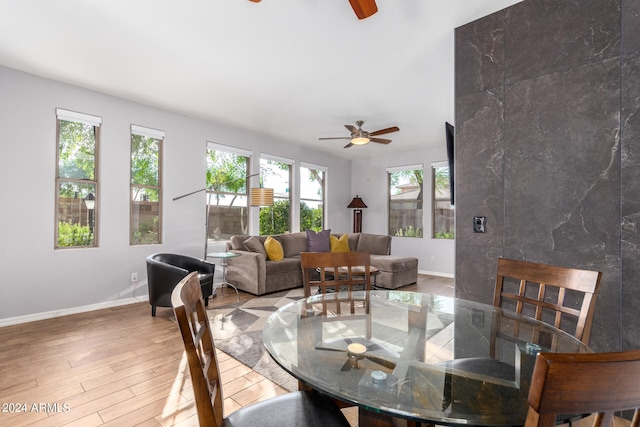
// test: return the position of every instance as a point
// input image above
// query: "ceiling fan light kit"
(360, 140)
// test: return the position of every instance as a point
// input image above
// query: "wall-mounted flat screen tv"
(449, 134)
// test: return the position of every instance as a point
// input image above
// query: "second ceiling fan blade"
(364, 8)
(383, 131)
(380, 140)
(348, 145)
(343, 137)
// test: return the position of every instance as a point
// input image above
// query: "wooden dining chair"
(337, 271)
(300, 408)
(319, 270)
(584, 383)
(542, 291)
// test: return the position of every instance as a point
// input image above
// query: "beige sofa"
(254, 273)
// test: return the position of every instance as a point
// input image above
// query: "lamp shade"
(261, 196)
(357, 203)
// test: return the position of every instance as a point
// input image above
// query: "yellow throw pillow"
(274, 249)
(339, 245)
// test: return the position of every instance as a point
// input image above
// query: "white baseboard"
(108, 304)
(436, 273)
(74, 310)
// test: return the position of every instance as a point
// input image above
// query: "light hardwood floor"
(121, 367)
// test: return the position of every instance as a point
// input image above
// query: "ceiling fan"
(362, 137)
(381, 356)
(362, 8)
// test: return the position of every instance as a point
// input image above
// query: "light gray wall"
(35, 277)
(369, 178)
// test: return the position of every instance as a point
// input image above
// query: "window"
(443, 213)
(77, 179)
(227, 201)
(146, 186)
(405, 201)
(276, 173)
(312, 185)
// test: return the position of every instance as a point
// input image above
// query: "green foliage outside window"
(275, 219)
(74, 235)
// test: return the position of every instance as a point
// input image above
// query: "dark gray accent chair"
(164, 272)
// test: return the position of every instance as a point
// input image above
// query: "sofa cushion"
(318, 242)
(293, 244)
(394, 264)
(273, 249)
(353, 241)
(287, 265)
(339, 244)
(375, 244)
(237, 242)
(254, 244)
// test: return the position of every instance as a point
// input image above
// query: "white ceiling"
(293, 69)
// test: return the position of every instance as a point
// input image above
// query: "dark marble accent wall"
(548, 149)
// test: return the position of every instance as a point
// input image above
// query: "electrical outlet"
(479, 224)
(134, 277)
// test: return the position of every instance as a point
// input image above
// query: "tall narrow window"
(443, 213)
(405, 201)
(227, 201)
(77, 179)
(276, 173)
(146, 186)
(312, 185)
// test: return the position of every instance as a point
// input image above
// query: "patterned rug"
(237, 330)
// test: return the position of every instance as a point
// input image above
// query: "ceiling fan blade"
(351, 128)
(348, 145)
(343, 137)
(364, 8)
(255, 1)
(382, 362)
(383, 131)
(380, 140)
(348, 365)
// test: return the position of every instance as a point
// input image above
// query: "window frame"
(435, 200)
(290, 163)
(417, 228)
(93, 215)
(213, 146)
(323, 186)
(159, 136)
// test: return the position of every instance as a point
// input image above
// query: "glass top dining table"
(421, 357)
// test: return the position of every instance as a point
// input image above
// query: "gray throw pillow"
(253, 244)
(318, 242)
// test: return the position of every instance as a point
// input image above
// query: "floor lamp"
(206, 221)
(357, 204)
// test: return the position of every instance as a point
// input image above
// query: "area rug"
(237, 330)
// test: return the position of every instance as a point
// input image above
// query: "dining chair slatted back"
(335, 271)
(308, 408)
(545, 289)
(584, 383)
(195, 329)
